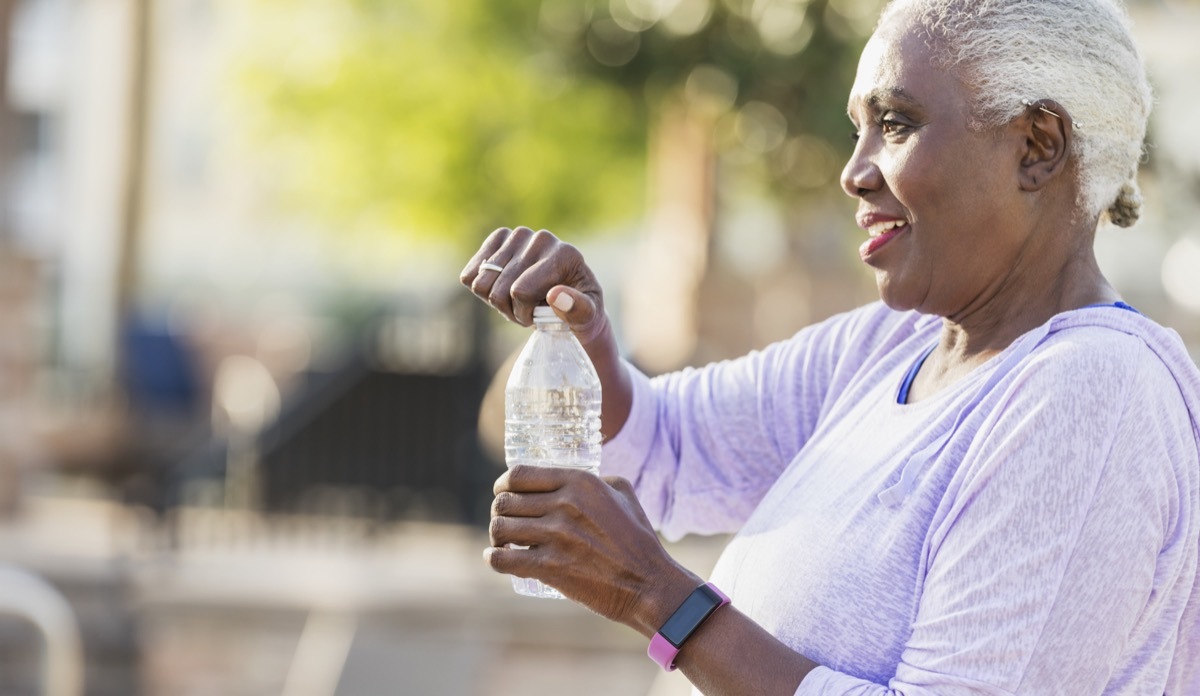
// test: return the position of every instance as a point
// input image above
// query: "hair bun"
(1126, 210)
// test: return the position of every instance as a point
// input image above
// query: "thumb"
(576, 308)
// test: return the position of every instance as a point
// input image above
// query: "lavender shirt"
(1032, 529)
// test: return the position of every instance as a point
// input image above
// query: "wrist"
(658, 604)
(617, 386)
(597, 336)
(683, 623)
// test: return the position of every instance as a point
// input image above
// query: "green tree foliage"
(778, 69)
(441, 120)
(438, 120)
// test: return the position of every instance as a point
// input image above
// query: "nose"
(860, 176)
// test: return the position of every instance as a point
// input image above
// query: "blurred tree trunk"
(133, 194)
(19, 278)
(662, 287)
(10, 125)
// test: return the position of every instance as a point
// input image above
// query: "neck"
(1027, 298)
(971, 338)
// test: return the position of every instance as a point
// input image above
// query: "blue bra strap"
(1118, 305)
(894, 495)
(902, 395)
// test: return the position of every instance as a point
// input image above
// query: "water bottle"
(551, 410)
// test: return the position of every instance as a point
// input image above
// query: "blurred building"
(69, 177)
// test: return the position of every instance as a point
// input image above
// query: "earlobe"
(1047, 131)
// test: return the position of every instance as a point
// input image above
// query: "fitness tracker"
(699, 605)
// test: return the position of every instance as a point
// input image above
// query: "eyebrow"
(875, 96)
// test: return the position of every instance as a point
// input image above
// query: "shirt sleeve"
(1066, 548)
(702, 446)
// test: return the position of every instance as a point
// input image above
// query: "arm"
(703, 446)
(590, 539)
(1063, 548)
(716, 437)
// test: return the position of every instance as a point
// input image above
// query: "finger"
(576, 308)
(621, 485)
(577, 298)
(531, 274)
(625, 489)
(492, 285)
(526, 478)
(509, 504)
(522, 531)
(486, 273)
(522, 285)
(524, 563)
(489, 247)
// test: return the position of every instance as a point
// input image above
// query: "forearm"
(614, 381)
(729, 653)
(589, 538)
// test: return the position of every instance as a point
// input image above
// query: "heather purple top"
(1031, 529)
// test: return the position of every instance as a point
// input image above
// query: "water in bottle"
(551, 410)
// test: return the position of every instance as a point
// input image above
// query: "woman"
(989, 483)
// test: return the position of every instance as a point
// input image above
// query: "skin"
(994, 266)
(539, 268)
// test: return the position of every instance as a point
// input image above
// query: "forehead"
(898, 65)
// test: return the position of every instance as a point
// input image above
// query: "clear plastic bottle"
(551, 410)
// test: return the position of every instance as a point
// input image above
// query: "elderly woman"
(988, 483)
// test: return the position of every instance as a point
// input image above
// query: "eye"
(892, 126)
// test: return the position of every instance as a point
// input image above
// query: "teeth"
(881, 227)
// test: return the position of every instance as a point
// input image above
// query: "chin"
(900, 306)
(896, 297)
(888, 292)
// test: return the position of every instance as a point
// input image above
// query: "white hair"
(1079, 53)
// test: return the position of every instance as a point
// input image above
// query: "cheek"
(910, 178)
(935, 187)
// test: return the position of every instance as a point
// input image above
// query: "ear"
(1048, 131)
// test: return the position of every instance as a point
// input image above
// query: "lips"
(882, 229)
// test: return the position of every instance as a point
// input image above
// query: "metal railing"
(27, 596)
(389, 435)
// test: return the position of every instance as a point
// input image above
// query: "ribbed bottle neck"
(556, 325)
(544, 319)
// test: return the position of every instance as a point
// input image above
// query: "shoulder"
(1086, 380)
(1123, 346)
(1086, 349)
(1088, 405)
(1132, 393)
(1123, 391)
(1093, 358)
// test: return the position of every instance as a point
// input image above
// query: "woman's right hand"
(537, 268)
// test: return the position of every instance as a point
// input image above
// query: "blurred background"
(249, 421)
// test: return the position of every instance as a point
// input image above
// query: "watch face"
(689, 615)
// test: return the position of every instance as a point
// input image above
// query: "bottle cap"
(543, 313)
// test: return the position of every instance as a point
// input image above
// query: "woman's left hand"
(589, 539)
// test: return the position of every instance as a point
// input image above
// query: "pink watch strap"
(660, 649)
(662, 652)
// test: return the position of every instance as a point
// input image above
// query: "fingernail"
(564, 302)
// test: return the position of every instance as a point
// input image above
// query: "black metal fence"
(391, 434)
